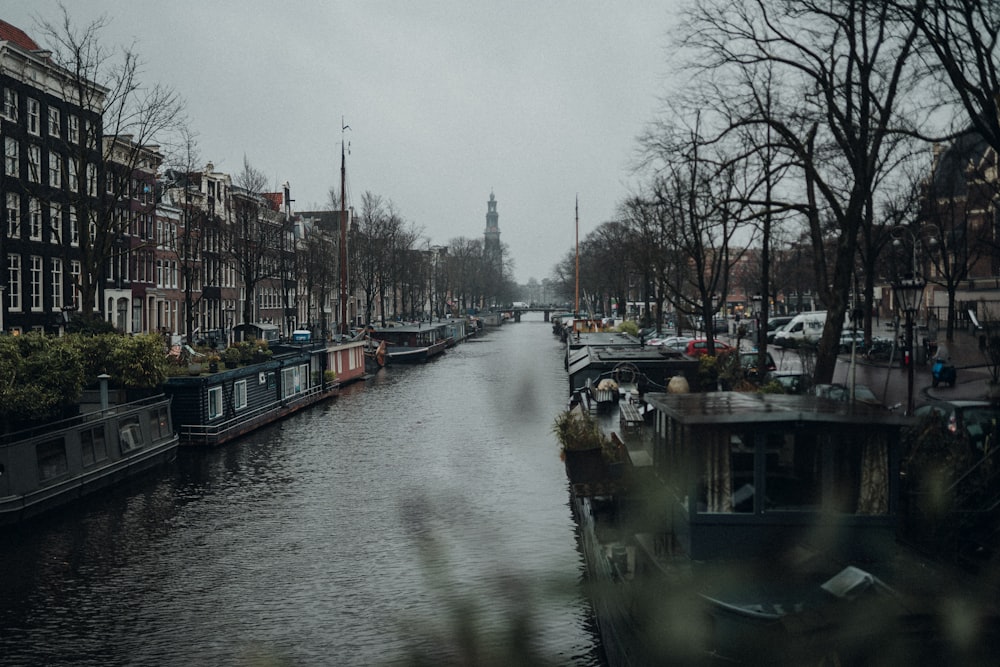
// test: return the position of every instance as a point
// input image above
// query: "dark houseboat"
(48, 466)
(760, 529)
(213, 408)
(412, 343)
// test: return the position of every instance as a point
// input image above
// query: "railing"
(210, 432)
(82, 418)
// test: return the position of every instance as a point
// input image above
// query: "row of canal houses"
(113, 438)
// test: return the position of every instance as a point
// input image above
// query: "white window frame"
(215, 408)
(73, 129)
(34, 163)
(13, 205)
(11, 157)
(55, 170)
(74, 272)
(239, 394)
(57, 283)
(34, 219)
(36, 283)
(34, 117)
(54, 129)
(14, 283)
(74, 176)
(55, 223)
(10, 104)
(74, 227)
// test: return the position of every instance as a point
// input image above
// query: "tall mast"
(343, 230)
(576, 305)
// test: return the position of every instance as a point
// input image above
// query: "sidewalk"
(890, 384)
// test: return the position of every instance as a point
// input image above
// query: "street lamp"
(909, 292)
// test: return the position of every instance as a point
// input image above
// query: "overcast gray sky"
(538, 101)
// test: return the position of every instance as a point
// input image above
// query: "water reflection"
(422, 515)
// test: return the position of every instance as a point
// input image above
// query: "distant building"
(491, 238)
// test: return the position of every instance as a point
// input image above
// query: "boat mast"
(576, 305)
(343, 230)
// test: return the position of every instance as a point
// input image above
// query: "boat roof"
(734, 407)
(603, 339)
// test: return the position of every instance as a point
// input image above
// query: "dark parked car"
(842, 392)
(748, 360)
(793, 382)
(974, 420)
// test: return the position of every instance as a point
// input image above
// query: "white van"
(804, 328)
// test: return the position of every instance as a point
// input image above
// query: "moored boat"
(214, 408)
(412, 343)
(49, 466)
(760, 529)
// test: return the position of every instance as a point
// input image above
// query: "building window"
(11, 156)
(92, 180)
(74, 273)
(35, 219)
(73, 123)
(34, 163)
(55, 170)
(14, 282)
(54, 129)
(36, 283)
(74, 227)
(13, 215)
(10, 104)
(240, 394)
(34, 122)
(55, 223)
(73, 176)
(57, 283)
(93, 445)
(214, 402)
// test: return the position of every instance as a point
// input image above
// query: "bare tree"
(124, 117)
(843, 71)
(254, 236)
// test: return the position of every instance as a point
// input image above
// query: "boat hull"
(48, 468)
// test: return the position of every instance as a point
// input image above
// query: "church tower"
(491, 240)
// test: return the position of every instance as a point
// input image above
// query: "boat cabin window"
(129, 434)
(51, 459)
(93, 445)
(742, 472)
(214, 402)
(239, 394)
(159, 423)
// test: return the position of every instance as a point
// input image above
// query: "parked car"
(775, 324)
(748, 360)
(792, 382)
(678, 343)
(857, 338)
(974, 420)
(842, 392)
(699, 347)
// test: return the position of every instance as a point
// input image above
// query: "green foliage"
(133, 362)
(330, 376)
(90, 325)
(40, 377)
(577, 429)
(232, 354)
(629, 327)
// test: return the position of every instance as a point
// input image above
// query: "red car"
(699, 347)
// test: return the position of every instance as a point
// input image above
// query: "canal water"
(422, 515)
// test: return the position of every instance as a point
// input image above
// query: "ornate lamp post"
(909, 291)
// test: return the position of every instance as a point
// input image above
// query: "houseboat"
(412, 343)
(644, 369)
(760, 529)
(213, 408)
(49, 466)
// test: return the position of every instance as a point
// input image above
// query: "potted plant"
(586, 451)
(213, 363)
(231, 356)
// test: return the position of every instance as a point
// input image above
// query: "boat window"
(291, 381)
(725, 466)
(51, 459)
(861, 473)
(129, 434)
(240, 394)
(214, 402)
(793, 472)
(159, 424)
(93, 445)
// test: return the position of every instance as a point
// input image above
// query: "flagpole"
(576, 305)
